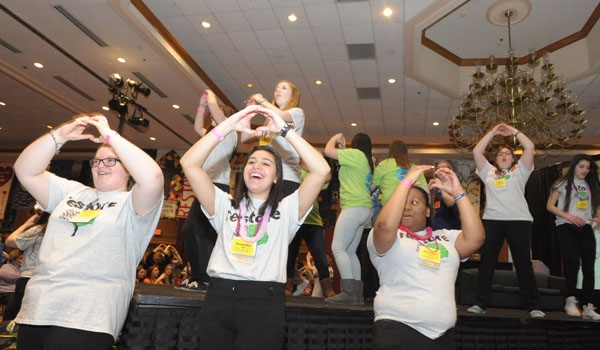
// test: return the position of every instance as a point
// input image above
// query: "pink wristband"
(568, 217)
(406, 182)
(216, 134)
(200, 110)
(109, 135)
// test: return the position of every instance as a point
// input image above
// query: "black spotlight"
(118, 106)
(115, 81)
(138, 87)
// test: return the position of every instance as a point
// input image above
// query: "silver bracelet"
(56, 144)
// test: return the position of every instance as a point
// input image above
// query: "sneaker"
(537, 314)
(476, 309)
(301, 287)
(184, 284)
(571, 307)
(589, 313)
(196, 286)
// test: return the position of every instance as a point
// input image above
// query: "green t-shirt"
(388, 174)
(355, 179)
(314, 217)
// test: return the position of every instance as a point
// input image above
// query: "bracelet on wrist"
(460, 196)
(216, 134)
(110, 134)
(283, 132)
(200, 110)
(262, 100)
(568, 217)
(517, 133)
(56, 144)
(406, 182)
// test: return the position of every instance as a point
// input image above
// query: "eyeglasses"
(504, 154)
(108, 162)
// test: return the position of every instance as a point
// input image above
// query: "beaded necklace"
(242, 230)
(419, 239)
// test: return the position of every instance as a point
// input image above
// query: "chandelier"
(544, 110)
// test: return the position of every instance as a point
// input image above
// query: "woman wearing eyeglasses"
(79, 294)
(506, 216)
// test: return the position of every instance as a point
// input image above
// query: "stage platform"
(161, 317)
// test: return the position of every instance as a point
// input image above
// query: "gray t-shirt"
(86, 274)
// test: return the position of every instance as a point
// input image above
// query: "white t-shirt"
(86, 274)
(269, 262)
(418, 296)
(579, 193)
(217, 163)
(505, 193)
(29, 242)
(289, 156)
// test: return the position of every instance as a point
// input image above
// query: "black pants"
(578, 244)
(199, 240)
(60, 338)
(243, 315)
(313, 236)
(12, 307)
(392, 335)
(518, 236)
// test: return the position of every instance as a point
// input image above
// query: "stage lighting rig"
(124, 93)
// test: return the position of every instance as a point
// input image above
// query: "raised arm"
(335, 142)
(193, 160)
(472, 235)
(263, 102)
(207, 100)
(30, 166)
(390, 216)
(479, 149)
(528, 146)
(149, 178)
(317, 166)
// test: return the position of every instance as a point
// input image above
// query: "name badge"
(582, 204)
(500, 182)
(243, 248)
(429, 258)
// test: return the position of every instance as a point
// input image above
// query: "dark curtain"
(544, 244)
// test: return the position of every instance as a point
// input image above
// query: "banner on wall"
(6, 178)
(185, 199)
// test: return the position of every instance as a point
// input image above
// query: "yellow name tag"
(85, 216)
(500, 182)
(241, 247)
(582, 204)
(429, 258)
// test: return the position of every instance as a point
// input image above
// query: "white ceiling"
(252, 41)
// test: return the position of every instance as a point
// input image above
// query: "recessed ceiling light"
(353, 124)
(121, 59)
(2, 103)
(392, 81)
(176, 106)
(292, 18)
(205, 24)
(38, 65)
(318, 82)
(105, 108)
(152, 138)
(49, 127)
(249, 85)
(387, 12)
(436, 123)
